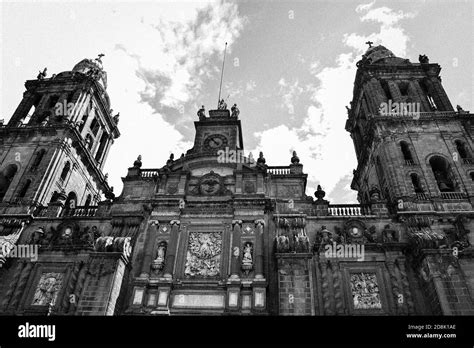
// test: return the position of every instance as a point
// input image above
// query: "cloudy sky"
(290, 68)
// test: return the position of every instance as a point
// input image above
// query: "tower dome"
(381, 55)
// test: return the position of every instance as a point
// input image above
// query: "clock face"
(215, 141)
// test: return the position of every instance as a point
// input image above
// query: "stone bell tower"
(55, 145)
(412, 146)
(414, 155)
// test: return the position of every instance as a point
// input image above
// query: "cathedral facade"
(217, 233)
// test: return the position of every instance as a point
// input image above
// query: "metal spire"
(222, 75)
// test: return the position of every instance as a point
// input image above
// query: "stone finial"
(261, 159)
(138, 162)
(295, 159)
(319, 193)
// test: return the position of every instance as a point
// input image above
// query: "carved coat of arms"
(204, 254)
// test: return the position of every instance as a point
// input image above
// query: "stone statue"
(42, 74)
(116, 118)
(201, 113)
(295, 159)
(159, 262)
(261, 159)
(423, 59)
(138, 162)
(222, 105)
(106, 176)
(247, 255)
(235, 111)
(170, 160)
(99, 58)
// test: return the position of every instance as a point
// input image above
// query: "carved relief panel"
(365, 291)
(47, 289)
(203, 256)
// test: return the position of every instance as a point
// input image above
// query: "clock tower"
(219, 131)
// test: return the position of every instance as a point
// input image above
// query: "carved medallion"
(204, 254)
(210, 184)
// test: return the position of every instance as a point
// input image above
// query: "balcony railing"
(409, 162)
(348, 210)
(453, 195)
(421, 196)
(148, 173)
(278, 170)
(468, 160)
(81, 211)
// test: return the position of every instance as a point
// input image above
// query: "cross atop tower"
(369, 43)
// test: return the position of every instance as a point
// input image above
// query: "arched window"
(24, 189)
(71, 200)
(443, 174)
(462, 149)
(88, 201)
(102, 145)
(65, 172)
(406, 153)
(471, 174)
(415, 180)
(38, 159)
(6, 177)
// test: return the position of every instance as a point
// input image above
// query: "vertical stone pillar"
(235, 260)
(259, 224)
(171, 252)
(148, 249)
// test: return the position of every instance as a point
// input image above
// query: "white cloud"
(324, 147)
(164, 69)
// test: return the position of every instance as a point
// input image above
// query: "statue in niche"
(247, 257)
(159, 262)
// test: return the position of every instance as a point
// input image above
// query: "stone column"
(235, 260)
(148, 249)
(260, 224)
(171, 252)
